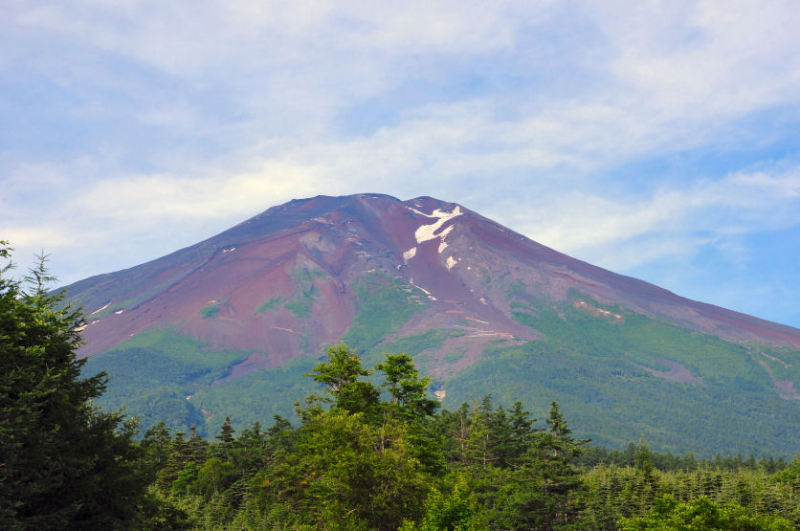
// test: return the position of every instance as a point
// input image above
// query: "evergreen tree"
(545, 491)
(520, 434)
(407, 390)
(225, 435)
(342, 375)
(281, 437)
(63, 463)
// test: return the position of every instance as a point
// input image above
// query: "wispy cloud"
(739, 203)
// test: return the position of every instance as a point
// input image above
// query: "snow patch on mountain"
(420, 212)
(428, 232)
(101, 309)
(443, 236)
(426, 292)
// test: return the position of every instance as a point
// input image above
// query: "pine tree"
(63, 463)
(225, 435)
(547, 493)
(521, 433)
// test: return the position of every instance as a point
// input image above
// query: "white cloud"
(191, 37)
(710, 58)
(625, 232)
(158, 199)
(31, 238)
(663, 77)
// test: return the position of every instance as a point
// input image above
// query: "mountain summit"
(208, 330)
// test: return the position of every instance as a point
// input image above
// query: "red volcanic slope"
(325, 244)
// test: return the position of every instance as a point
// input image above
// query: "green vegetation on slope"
(258, 395)
(600, 368)
(416, 344)
(620, 378)
(306, 291)
(384, 306)
(271, 304)
(152, 373)
(209, 311)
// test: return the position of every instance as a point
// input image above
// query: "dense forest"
(365, 457)
(371, 450)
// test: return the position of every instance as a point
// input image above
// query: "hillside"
(228, 326)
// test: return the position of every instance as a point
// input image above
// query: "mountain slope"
(232, 323)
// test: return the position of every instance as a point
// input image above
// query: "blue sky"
(656, 139)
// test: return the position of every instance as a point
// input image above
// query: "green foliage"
(341, 374)
(226, 432)
(301, 307)
(629, 492)
(790, 474)
(542, 490)
(702, 514)
(63, 463)
(271, 304)
(342, 472)
(393, 463)
(258, 395)
(454, 356)
(454, 509)
(214, 476)
(209, 311)
(432, 339)
(408, 398)
(153, 372)
(385, 304)
(305, 293)
(351, 466)
(601, 371)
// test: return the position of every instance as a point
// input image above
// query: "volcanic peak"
(313, 254)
